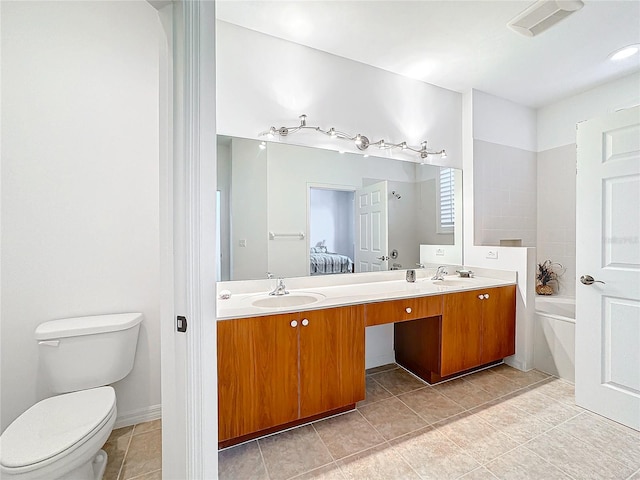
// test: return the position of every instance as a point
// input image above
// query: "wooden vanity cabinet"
(477, 327)
(278, 369)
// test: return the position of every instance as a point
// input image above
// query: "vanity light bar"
(361, 141)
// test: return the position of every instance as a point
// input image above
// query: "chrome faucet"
(440, 273)
(280, 288)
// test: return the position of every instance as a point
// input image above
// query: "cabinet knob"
(481, 297)
(305, 322)
(294, 323)
(486, 295)
(408, 309)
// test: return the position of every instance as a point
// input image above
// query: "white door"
(371, 228)
(608, 253)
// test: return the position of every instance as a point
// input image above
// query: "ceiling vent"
(542, 15)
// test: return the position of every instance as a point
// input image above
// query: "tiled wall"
(557, 212)
(504, 194)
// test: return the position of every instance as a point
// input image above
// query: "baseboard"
(141, 415)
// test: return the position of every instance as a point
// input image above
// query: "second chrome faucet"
(440, 273)
(280, 289)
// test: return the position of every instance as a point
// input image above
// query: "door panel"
(372, 232)
(257, 374)
(331, 359)
(608, 226)
(461, 332)
(498, 324)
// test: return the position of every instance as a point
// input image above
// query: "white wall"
(556, 123)
(277, 80)
(556, 132)
(557, 212)
(249, 210)
(80, 209)
(505, 194)
(331, 220)
(504, 170)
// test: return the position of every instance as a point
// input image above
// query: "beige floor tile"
(479, 474)
(392, 418)
(378, 463)
(398, 381)
(328, 472)
(144, 455)
(157, 475)
(430, 404)
(347, 434)
(374, 392)
(618, 444)
(521, 464)
(464, 393)
(147, 426)
(116, 448)
(512, 421)
(557, 389)
(542, 407)
(476, 437)
(520, 378)
(381, 368)
(242, 462)
(433, 456)
(577, 458)
(293, 452)
(496, 384)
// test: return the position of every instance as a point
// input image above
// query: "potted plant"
(547, 277)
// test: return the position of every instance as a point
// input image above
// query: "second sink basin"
(290, 300)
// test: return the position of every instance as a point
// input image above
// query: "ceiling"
(459, 45)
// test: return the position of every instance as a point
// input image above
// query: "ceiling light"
(625, 52)
(360, 141)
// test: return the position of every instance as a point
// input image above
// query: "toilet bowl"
(56, 437)
(60, 438)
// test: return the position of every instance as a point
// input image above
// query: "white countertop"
(362, 290)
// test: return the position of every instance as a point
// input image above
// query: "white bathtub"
(554, 336)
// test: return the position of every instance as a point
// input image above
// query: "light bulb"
(262, 145)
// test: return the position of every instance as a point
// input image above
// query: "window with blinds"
(446, 206)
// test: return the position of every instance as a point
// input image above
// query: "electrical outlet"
(492, 254)
(440, 252)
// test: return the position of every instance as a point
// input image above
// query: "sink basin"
(459, 282)
(291, 300)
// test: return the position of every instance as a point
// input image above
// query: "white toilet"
(61, 437)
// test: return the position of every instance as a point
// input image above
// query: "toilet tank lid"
(74, 327)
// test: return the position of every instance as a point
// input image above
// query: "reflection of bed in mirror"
(322, 262)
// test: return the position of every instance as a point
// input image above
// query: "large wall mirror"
(296, 211)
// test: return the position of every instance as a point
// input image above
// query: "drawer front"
(402, 310)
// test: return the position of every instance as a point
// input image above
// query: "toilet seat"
(53, 428)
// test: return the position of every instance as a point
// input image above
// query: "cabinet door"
(461, 342)
(331, 359)
(257, 374)
(499, 324)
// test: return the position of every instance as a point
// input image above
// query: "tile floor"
(498, 423)
(135, 452)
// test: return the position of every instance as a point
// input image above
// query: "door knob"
(305, 322)
(408, 309)
(294, 324)
(384, 258)
(588, 280)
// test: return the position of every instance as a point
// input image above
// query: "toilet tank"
(87, 352)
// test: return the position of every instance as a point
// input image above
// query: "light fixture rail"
(361, 141)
